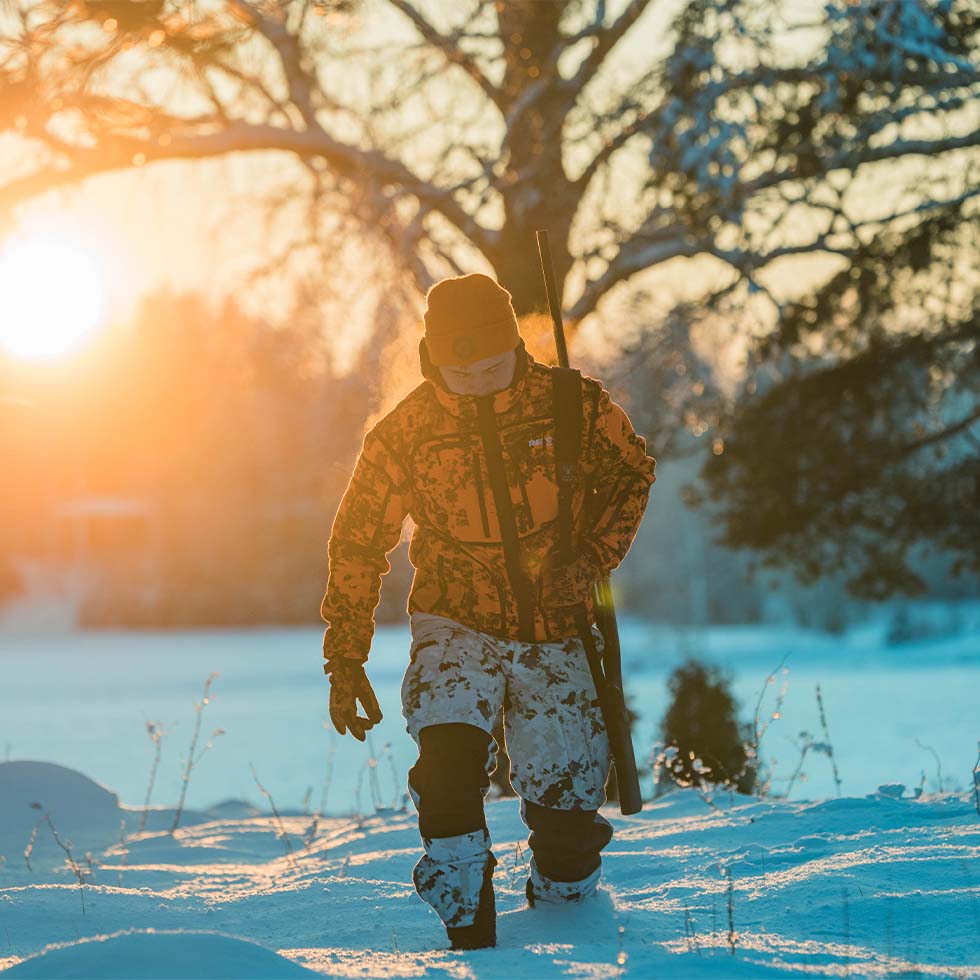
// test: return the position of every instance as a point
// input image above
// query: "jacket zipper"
(520, 586)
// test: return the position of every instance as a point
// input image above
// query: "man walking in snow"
(469, 455)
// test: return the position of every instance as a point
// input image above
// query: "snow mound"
(152, 954)
(80, 808)
(729, 887)
(230, 809)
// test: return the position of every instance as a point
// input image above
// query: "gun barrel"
(554, 300)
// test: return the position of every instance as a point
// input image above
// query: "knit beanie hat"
(468, 318)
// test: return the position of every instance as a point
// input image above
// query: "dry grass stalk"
(282, 833)
(939, 766)
(976, 780)
(752, 754)
(155, 731)
(65, 846)
(691, 932)
(828, 743)
(192, 759)
(328, 773)
(732, 934)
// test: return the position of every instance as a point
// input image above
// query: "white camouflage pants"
(554, 734)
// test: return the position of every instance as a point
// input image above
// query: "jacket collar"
(465, 405)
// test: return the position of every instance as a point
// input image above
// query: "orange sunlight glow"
(52, 295)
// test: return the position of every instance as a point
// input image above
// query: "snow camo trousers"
(556, 741)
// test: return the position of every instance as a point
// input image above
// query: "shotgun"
(606, 670)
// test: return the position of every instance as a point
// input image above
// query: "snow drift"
(158, 955)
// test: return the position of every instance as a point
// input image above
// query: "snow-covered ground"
(744, 888)
(864, 885)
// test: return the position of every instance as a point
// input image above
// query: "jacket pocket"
(532, 459)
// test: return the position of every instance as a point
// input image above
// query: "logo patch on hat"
(463, 346)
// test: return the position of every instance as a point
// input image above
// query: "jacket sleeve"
(620, 473)
(367, 526)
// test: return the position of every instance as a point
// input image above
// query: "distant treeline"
(188, 468)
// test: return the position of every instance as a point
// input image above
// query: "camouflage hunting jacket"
(477, 476)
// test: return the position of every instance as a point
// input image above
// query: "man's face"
(481, 377)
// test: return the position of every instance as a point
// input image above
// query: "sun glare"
(52, 296)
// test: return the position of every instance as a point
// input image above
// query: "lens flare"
(52, 296)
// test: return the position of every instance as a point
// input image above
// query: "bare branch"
(606, 40)
(941, 435)
(449, 46)
(372, 166)
(299, 81)
(634, 256)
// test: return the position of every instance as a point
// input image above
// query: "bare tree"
(456, 130)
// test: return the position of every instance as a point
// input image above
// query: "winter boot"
(455, 877)
(483, 932)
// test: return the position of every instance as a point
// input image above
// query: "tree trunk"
(518, 266)
(536, 192)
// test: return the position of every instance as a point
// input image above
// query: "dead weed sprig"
(810, 744)
(282, 833)
(155, 730)
(518, 857)
(759, 729)
(939, 766)
(976, 780)
(372, 768)
(829, 745)
(690, 932)
(395, 780)
(309, 836)
(192, 759)
(64, 845)
(732, 934)
(328, 773)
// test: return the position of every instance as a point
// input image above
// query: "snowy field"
(866, 885)
(876, 887)
(83, 700)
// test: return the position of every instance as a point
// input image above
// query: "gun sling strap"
(567, 394)
(523, 596)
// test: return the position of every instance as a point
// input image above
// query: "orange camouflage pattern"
(426, 460)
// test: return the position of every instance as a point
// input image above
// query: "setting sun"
(52, 295)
